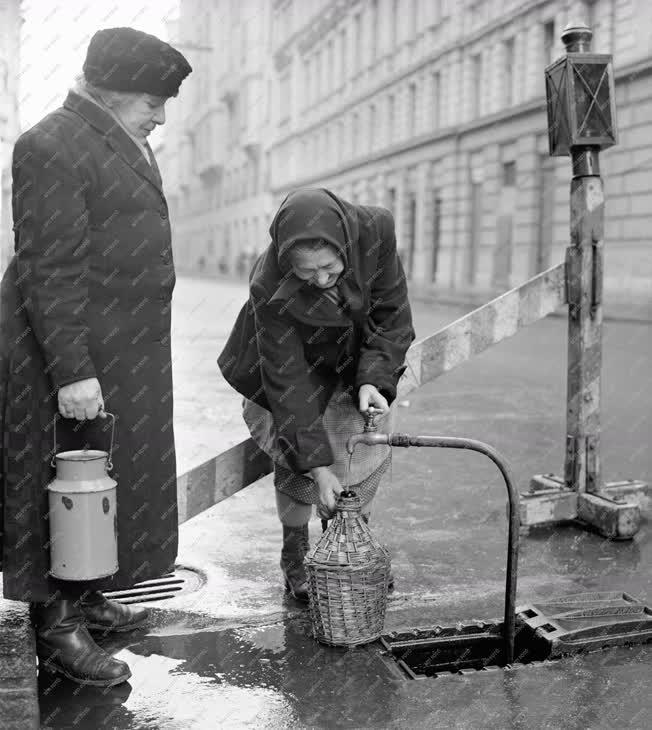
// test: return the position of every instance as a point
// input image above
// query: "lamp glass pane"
(556, 81)
(592, 100)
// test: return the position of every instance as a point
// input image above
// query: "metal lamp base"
(615, 512)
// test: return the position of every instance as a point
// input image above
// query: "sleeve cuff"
(65, 376)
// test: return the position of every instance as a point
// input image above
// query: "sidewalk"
(18, 690)
(239, 654)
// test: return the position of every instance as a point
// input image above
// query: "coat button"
(163, 214)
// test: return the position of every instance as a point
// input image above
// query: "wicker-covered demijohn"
(348, 572)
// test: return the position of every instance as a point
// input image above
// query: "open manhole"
(545, 631)
(438, 651)
(181, 580)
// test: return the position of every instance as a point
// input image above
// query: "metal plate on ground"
(588, 621)
(183, 580)
(545, 630)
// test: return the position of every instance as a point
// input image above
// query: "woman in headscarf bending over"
(321, 340)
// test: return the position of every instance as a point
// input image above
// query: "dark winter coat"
(291, 345)
(87, 294)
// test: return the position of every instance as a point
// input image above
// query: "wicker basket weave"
(348, 571)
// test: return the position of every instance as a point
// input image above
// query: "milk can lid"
(81, 455)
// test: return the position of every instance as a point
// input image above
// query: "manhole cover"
(182, 580)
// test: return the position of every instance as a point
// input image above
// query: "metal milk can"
(83, 517)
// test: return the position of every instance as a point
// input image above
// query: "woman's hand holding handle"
(329, 489)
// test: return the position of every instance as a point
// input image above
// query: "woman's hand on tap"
(371, 399)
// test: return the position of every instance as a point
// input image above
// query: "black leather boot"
(295, 547)
(390, 581)
(64, 646)
(101, 614)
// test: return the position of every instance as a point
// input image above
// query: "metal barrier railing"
(427, 359)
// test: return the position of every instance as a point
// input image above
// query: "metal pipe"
(449, 442)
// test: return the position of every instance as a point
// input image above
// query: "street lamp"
(581, 122)
(580, 96)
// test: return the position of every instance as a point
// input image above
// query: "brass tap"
(369, 437)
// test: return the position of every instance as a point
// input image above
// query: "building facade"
(10, 25)
(434, 109)
(215, 135)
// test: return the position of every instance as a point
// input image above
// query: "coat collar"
(116, 137)
(310, 306)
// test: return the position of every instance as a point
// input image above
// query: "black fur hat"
(125, 59)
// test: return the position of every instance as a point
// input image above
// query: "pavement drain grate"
(182, 580)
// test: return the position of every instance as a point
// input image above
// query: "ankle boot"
(64, 646)
(101, 614)
(390, 580)
(295, 547)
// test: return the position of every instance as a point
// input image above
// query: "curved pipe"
(449, 442)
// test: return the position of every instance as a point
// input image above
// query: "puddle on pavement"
(276, 676)
(245, 677)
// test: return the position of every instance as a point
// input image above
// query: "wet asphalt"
(238, 653)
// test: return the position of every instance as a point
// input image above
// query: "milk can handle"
(109, 462)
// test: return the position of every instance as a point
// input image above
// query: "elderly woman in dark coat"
(86, 323)
(322, 339)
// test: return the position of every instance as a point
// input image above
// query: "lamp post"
(581, 122)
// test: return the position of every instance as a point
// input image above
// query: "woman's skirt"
(362, 472)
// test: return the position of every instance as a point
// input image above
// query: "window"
(394, 24)
(356, 45)
(243, 41)
(343, 56)
(588, 12)
(436, 10)
(476, 106)
(391, 201)
(268, 101)
(414, 12)
(307, 95)
(4, 76)
(391, 114)
(548, 42)
(436, 99)
(268, 170)
(509, 174)
(317, 81)
(330, 68)
(355, 132)
(474, 14)
(244, 110)
(436, 233)
(339, 144)
(374, 30)
(412, 109)
(411, 235)
(255, 177)
(284, 97)
(372, 127)
(594, 14)
(508, 72)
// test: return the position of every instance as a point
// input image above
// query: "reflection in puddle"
(201, 679)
